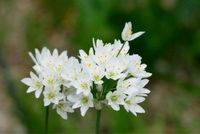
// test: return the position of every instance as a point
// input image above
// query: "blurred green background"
(170, 47)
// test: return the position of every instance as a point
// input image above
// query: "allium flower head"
(107, 75)
(115, 77)
(48, 80)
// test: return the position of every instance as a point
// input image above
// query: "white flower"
(46, 60)
(83, 83)
(131, 104)
(117, 46)
(50, 78)
(127, 34)
(82, 101)
(52, 95)
(62, 108)
(136, 68)
(103, 52)
(96, 74)
(115, 69)
(68, 90)
(141, 90)
(107, 71)
(133, 86)
(61, 62)
(128, 86)
(87, 60)
(35, 84)
(115, 99)
(72, 70)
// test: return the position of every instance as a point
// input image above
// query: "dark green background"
(170, 47)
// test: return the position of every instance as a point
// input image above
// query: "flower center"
(111, 74)
(128, 102)
(96, 77)
(85, 99)
(85, 85)
(114, 98)
(51, 95)
(38, 84)
(59, 67)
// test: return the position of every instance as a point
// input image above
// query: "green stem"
(46, 120)
(120, 50)
(98, 121)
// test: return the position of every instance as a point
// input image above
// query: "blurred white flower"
(71, 70)
(117, 45)
(115, 69)
(34, 83)
(102, 52)
(52, 95)
(127, 34)
(62, 108)
(131, 104)
(83, 83)
(136, 68)
(82, 101)
(115, 99)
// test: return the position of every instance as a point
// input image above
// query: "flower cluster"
(107, 75)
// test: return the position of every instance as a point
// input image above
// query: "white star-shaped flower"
(115, 99)
(83, 83)
(62, 108)
(52, 95)
(127, 34)
(115, 69)
(131, 104)
(82, 101)
(136, 68)
(34, 83)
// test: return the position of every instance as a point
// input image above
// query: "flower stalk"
(98, 120)
(46, 120)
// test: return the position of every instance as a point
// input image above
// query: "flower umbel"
(107, 75)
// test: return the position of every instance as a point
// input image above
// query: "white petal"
(91, 51)
(126, 107)
(63, 54)
(126, 31)
(33, 58)
(99, 82)
(115, 107)
(133, 112)
(60, 96)
(82, 54)
(84, 110)
(55, 100)
(46, 102)
(138, 109)
(135, 35)
(38, 55)
(139, 99)
(145, 74)
(38, 92)
(76, 105)
(62, 113)
(30, 89)
(143, 82)
(146, 91)
(27, 81)
(108, 95)
(55, 53)
(33, 75)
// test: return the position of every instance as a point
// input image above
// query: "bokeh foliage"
(170, 48)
